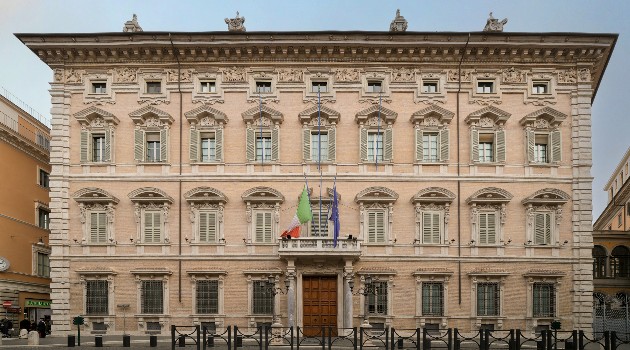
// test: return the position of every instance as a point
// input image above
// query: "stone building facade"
(461, 161)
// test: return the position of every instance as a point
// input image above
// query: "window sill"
(153, 163)
(154, 244)
(427, 162)
(97, 163)
(544, 165)
(261, 243)
(90, 244)
(208, 315)
(488, 163)
(213, 162)
(217, 244)
(548, 246)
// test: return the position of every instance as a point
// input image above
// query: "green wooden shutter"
(376, 227)
(138, 149)
(98, 227)
(556, 146)
(371, 227)
(194, 145)
(487, 228)
(164, 145)
(531, 145)
(263, 227)
(332, 151)
(275, 143)
(306, 144)
(250, 141)
(107, 151)
(152, 227)
(492, 228)
(444, 145)
(85, 146)
(419, 146)
(363, 140)
(474, 145)
(218, 138)
(499, 141)
(208, 227)
(542, 228)
(203, 227)
(430, 228)
(388, 146)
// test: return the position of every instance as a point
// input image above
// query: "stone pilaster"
(291, 293)
(348, 275)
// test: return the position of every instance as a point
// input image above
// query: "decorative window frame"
(549, 98)
(489, 199)
(544, 121)
(206, 199)
(91, 199)
(153, 199)
(207, 97)
(212, 274)
(99, 274)
(485, 98)
(262, 199)
(89, 97)
(270, 120)
(263, 76)
(369, 121)
(375, 97)
(94, 120)
(431, 98)
(152, 274)
(431, 275)
(206, 119)
(151, 119)
(312, 119)
(485, 276)
(152, 76)
(541, 276)
(378, 275)
(324, 97)
(432, 119)
(545, 200)
(326, 202)
(39, 248)
(252, 275)
(433, 199)
(485, 121)
(376, 198)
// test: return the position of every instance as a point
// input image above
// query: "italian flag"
(302, 216)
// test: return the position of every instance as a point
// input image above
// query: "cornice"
(23, 144)
(612, 208)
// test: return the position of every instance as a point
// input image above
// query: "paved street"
(87, 342)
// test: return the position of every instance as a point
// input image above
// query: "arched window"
(599, 262)
(620, 262)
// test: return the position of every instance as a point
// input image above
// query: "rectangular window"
(430, 87)
(375, 146)
(376, 226)
(98, 227)
(544, 300)
(43, 218)
(487, 228)
(153, 147)
(99, 88)
(97, 297)
(432, 299)
(263, 146)
(152, 227)
(377, 301)
(485, 87)
(263, 87)
(43, 265)
(262, 300)
(98, 148)
(207, 226)
(321, 86)
(374, 86)
(44, 178)
(319, 145)
(431, 228)
(208, 147)
(319, 224)
(540, 87)
(488, 299)
(207, 297)
(486, 148)
(263, 227)
(208, 86)
(542, 228)
(152, 297)
(541, 149)
(154, 87)
(430, 147)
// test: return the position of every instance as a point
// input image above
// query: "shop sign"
(37, 303)
(14, 310)
(6, 304)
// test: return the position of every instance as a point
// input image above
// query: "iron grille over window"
(544, 300)
(263, 301)
(377, 302)
(152, 298)
(432, 299)
(96, 297)
(207, 297)
(488, 299)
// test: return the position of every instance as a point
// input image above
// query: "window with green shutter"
(487, 228)
(98, 227)
(376, 226)
(542, 227)
(263, 227)
(208, 226)
(152, 232)
(431, 228)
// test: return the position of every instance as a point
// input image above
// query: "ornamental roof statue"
(399, 24)
(132, 26)
(236, 24)
(493, 24)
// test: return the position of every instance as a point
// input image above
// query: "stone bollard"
(33, 338)
(23, 333)
(0, 339)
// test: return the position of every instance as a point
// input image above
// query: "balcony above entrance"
(319, 247)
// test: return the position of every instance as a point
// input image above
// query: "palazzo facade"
(461, 160)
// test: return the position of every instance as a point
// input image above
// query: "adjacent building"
(24, 211)
(461, 163)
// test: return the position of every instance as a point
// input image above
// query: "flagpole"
(378, 127)
(319, 157)
(262, 146)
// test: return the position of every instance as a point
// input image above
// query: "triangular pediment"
(206, 111)
(142, 114)
(552, 116)
(443, 115)
(498, 116)
(87, 115)
(325, 112)
(385, 114)
(254, 113)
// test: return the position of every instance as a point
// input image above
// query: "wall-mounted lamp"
(451, 241)
(472, 242)
(529, 242)
(222, 240)
(508, 241)
(415, 241)
(75, 241)
(111, 240)
(186, 238)
(131, 239)
(565, 242)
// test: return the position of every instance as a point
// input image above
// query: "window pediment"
(485, 116)
(327, 197)
(366, 116)
(151, 272)
(376, 194)
(432, 116)
(487, 273)
(432, 272)
(150, 194)
(150, 115)
(206, 116)
(262, 195)
(96, 271)
(207, 272)
(94, 115)
(376, 271)
(254, 113)
(490, 195)
(544, 274)
(205, 194)
(543, 118)
(93, 195)
(547, 196)
(329, 115)
(433, 195)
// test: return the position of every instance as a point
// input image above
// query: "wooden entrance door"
(320, 304)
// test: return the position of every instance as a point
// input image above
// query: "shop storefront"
(36, 309)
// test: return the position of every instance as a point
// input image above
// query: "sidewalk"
(87, 342)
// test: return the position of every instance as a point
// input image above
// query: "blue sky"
(22, 73)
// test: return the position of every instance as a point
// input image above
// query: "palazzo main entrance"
(320, 304)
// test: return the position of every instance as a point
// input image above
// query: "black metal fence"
(290, 338)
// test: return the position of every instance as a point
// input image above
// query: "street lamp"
(367, 289)
(270, 288)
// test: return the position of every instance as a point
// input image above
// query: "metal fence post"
(391, 338)
(262, 329)
(235, 337)
(361, 338)
(455, 336)
(354, 330)
(417, 338)
(229, 342)
(549, 340)
(172, 337)
(266, 329)
(482, 346)
(606, 340)
(198, 330)
(323, 338)
(387, 340)
(581, 340)
(329, 338)
(291, 329)
(613, 340)
(426, 345)
(518, 340)
(449, 345)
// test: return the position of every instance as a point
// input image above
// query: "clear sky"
(22, 73)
